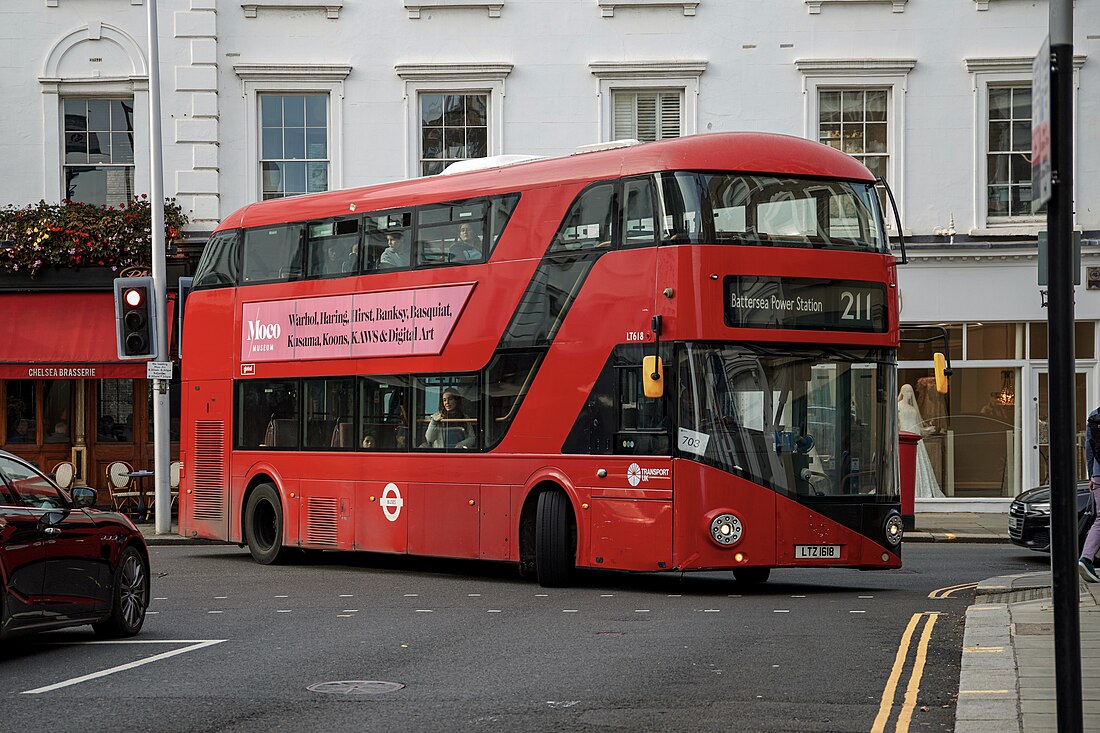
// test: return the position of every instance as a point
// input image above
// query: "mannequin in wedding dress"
(909, 421)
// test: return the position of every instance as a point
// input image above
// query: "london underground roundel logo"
(391, 502)
(634, 474)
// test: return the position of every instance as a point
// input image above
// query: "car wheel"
(129, 597)
(263, 526)
(555, 541)
(752, 576)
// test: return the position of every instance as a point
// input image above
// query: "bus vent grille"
(208, 474)
(321, 526)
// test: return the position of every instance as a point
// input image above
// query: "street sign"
(1040, 128)
(158, 370)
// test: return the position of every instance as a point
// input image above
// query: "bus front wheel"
(555, 540)
(263, 525)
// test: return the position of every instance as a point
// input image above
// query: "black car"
(63, 562)
(1029, 517)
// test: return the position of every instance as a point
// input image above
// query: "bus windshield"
(809, 422)
(741, 208)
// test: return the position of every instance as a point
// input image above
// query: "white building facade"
(279, 97)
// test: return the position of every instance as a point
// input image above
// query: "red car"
(63, 562)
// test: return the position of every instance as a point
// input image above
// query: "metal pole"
(1063, 479)
(161, 446)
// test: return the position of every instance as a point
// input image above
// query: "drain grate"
(355, 688)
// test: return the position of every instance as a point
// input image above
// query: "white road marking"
(282, 596)
(214, 611)
(798, 596)
(863, 598)
(641, 610)
(350, 610)
(195, 646)
(607, 595)
(346, 595)
(857, 612)
(283, 610)
(569, 610)
(151, 613)
(494, 610)
(781, 610)
(423, 610)
(473, 595)
(542, 595)
(161, 598)
(712, 610)
(674, 595)
(220, 598)
(412, 595)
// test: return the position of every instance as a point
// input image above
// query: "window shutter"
(623, 116)
(645, 116)
(670, 115)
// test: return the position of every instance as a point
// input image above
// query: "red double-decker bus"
(677, 355)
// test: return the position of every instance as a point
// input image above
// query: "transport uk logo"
(635, 474)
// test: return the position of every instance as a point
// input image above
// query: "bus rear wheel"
(555, 540)
(263, 525)
(752, 576)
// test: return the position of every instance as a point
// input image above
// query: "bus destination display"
(754, 301)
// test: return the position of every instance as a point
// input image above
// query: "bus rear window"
(219, 267)
(273, 254)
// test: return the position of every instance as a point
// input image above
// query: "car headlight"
(1042, 507)
(894, 530)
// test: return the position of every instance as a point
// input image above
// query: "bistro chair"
(63, 474)
(174, 481)
(121, 487)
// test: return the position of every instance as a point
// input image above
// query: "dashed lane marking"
(193, 645)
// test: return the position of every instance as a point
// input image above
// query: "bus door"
(631, 506)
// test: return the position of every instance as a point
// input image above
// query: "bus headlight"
(725, 529)
(894, 530)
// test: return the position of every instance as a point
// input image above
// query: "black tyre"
(263, 526)
(555, 540)
(129, 596)
(752, 576)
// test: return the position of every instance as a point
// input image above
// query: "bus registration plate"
(817, 552)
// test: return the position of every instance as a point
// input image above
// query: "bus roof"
(746, 152)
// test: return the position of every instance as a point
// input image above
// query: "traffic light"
(135, 318)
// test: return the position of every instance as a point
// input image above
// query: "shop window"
(20, 412)
(1084, 337)
(994, 341)
(56, 403)
(972, 434)
(923, 351)
(115, 419)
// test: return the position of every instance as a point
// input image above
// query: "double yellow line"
(886, 705)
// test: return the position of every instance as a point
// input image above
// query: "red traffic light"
(134, 297)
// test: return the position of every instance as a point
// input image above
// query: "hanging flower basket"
(42, 237)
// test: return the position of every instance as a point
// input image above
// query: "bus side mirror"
(942, 372)
(653, 376)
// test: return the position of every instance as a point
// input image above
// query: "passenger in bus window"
(451, 426)
(351, 260)
(467, 248)
(396, 253)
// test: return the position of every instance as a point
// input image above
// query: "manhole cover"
(355, 687)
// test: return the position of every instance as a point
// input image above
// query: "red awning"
(66, 335)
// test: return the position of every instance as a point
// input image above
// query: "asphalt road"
(441, 645)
